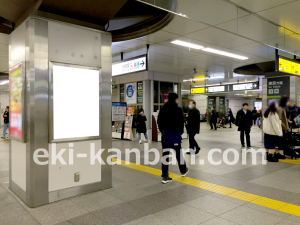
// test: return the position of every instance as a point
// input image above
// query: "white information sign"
(131, 93)
(248, 86)
(215, 89)
(129, 66)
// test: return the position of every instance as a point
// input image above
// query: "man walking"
(213, 119)
(193, 126)
(244, 122)
(171, 123)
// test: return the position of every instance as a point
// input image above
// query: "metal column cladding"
(37, 109)
(43, 42)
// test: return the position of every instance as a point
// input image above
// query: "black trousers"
(242, 137)
(179, 157)
(193, 142)
(213, 123)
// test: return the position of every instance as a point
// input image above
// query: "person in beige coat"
(272, 131)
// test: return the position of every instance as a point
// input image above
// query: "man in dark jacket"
(171, 123)
(292, 111)
(244, 122)
(193, 126)
(213, 118)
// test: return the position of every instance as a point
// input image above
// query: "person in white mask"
(193, 126)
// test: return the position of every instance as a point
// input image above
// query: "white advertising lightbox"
(75, 103)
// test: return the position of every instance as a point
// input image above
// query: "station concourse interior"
(87, 80)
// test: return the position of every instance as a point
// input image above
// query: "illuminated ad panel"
(129, 66)
(15, 102)
(215, 89)
(76, 111)
(288, 66)
(197, 90)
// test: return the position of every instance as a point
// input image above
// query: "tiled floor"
(139, 198)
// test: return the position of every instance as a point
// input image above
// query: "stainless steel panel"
(294, 89)
(17, 46)
(264, 101)
(37, 109)
(69, 44)
(147, 102)
(105, 115)
(75, 191)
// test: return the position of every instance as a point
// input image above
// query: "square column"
(37, 45)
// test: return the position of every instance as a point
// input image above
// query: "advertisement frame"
(283, 72)
(51, 119)
(23, 67)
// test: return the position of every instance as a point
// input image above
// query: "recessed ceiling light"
(187, 44)
(4, 82)
(224, 53)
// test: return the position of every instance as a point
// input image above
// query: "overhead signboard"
(132, 65)
(246, 86)
(197, 90)
(289, 66)
(214, 89)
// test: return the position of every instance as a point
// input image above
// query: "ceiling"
(214, 24)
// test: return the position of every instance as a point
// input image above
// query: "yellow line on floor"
(289, 160)
(230, 192)
(4, 141)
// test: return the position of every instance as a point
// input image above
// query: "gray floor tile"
(86, 219)
(184, 214)
(267, 210)
(151, 219)
(218, 221)
(120, 214)
(6, 199)
(12, 210)
(247, 216)
(95, 201)
(288, 222)
(57, 213)
(213, 205)
(20, 220)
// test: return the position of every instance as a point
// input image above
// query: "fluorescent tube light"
(4, 82)
(187, 44)
(224, 53)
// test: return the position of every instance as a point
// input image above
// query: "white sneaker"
(140, 141)
(148, 141)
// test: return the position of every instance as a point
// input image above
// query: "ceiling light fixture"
(211, 50)
(187, 44)
(204, 78)
(4, 82)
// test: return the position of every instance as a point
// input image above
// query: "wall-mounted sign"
(246, 86)
(214, 89)
(131, 93)
(289, 66)
(130, 66)
(197, 90)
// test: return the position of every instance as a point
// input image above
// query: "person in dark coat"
(254, 115)
(141, 125)
(171, 123)
(244, 122)
(230, 116)
(213, 119)
(6, 121)
(292, 111)
(193, 126)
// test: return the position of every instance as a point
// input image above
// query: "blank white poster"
(75, 102)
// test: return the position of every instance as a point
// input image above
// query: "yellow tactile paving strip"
(230, 192)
